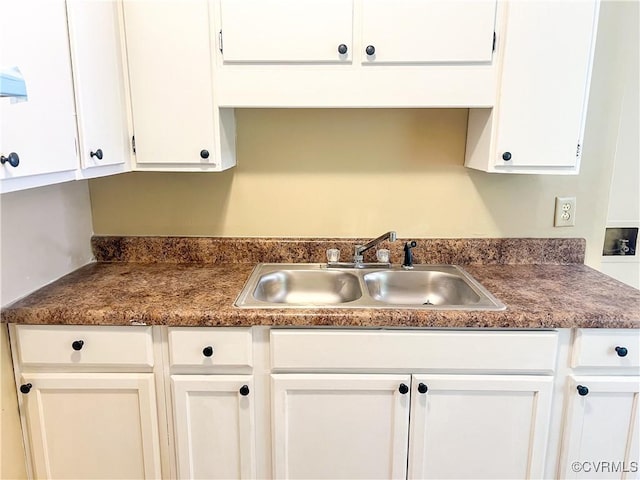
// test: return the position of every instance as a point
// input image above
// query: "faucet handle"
(407, 264)
(357, 254)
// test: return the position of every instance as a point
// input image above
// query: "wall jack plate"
(565, 212)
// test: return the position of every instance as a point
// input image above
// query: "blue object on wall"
(12, 84)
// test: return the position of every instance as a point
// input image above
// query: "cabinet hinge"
(220, 40)
(133, 143)
(578, 151)
(493, 46)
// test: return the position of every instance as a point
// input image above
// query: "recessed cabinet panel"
(214, 424)
(602, 425)
(340, 426)
(96, 52)
(286, 31)
(169, 54)
(93, 425)
(479, 426)
(428, 31)
(41, 130)
(545, 75)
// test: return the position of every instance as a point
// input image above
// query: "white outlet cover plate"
(565, 215)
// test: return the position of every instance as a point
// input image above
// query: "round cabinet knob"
(403, 388)
(506, 156)
(207, 351)
(582, 390)
(25, 388)
(422, 388)
(370, 50)
(98, 154)
(204, 154)
(621, 351)
(13, 159)
(244, 390)
(77, 345)
(342, 49)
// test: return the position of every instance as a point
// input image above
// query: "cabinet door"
(419, 31)
(41, 130)
(340, 426)
(214, 425)
(96, 51)
(601, 428)
(92, 425)
(479, 426)
(286, 31)
(170, 62)
(546, 66)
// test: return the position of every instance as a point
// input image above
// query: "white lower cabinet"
(91, 425)
(600, 437)
(479, 426)
(214, 426)
(601, 428)
(261, 402)
(447, 426)
(340, 426)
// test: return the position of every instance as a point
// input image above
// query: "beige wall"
(44, 234)
(361, 172)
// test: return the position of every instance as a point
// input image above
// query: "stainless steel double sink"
(435, 287)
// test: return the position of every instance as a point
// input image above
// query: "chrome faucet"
(360, 249)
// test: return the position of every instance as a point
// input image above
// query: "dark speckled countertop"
(557, 291)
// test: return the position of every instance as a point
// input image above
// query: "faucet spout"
(360, 249)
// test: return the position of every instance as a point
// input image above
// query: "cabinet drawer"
(491, 351)
(76, 346)
(606, 348)
(208, 348)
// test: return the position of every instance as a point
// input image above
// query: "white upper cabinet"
(286, 31)
(389, 31)
(176, 124)
(427, 31)
(96, 53)
(315, 53)
(545, 58)
(41, 131)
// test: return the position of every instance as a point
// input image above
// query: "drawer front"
(606, 348)
(491, 351)
(208, 348)
(77, 346)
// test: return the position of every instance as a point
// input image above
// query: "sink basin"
(435, 287)
(415, 287)
(308, 287)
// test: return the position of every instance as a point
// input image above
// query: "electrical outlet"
(565, 212)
